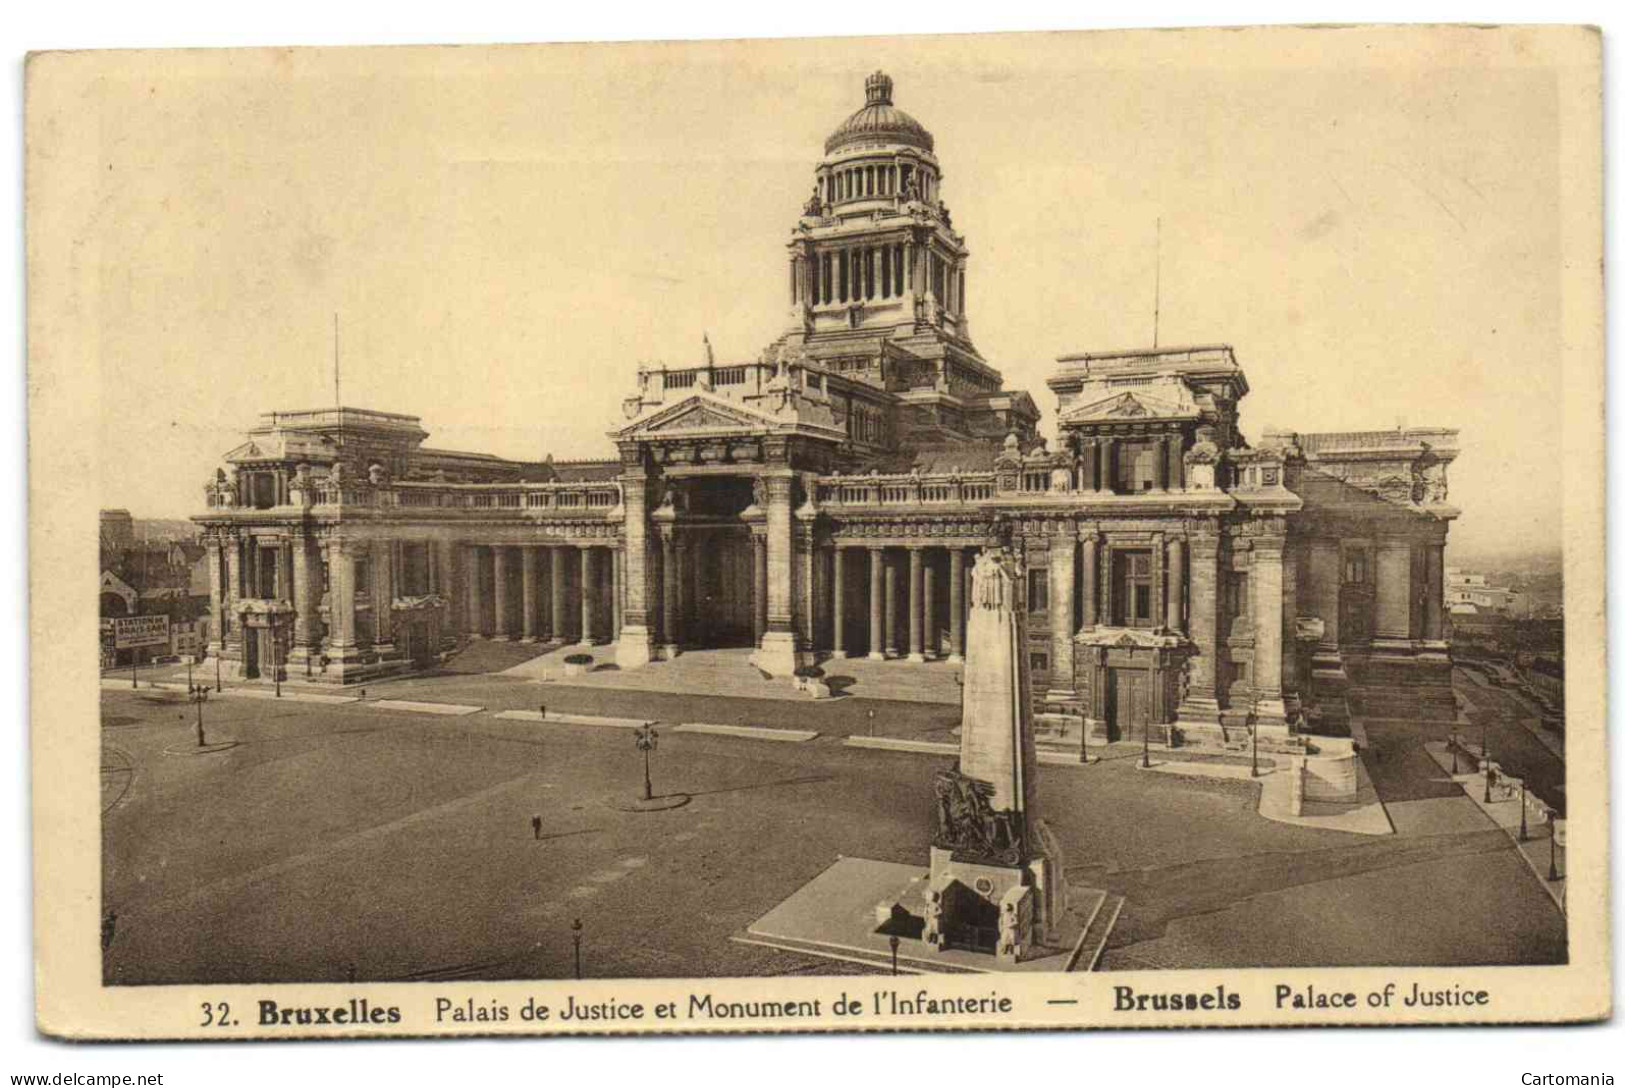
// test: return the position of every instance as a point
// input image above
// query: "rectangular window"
(1354, 567)
(1038, 590)
(1038, 662)
(1131, 589)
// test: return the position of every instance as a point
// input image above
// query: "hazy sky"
(507, 233)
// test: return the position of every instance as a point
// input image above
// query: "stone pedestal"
(779, 655)
(635, 648)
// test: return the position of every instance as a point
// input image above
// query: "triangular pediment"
(257, 449)
(1135, 404)
(698, 413)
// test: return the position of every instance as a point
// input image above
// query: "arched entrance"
(709, 516)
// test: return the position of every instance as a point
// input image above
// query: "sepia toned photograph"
(1105, 522)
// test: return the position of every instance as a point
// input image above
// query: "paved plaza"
(339, 840)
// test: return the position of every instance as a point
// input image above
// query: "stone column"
(779, 653)
(877, 595)
(838, 606)
(382, 593)
(1201, 702)
(669, 578)
(589, 594)
(916, 598)
(1326, 586)
(1176, 584)
(1267, 607)
(341, 644)
(559, 593)
(956, 604)
(527, 590)
(1290, 682)
(1063, 552)
(617, 582)
(307, 597)
(890, 615)
(453, 587)
(692, 623)
(1089, 452)
(1091, 580)
(1159, 460)
(217, 597)
(1108, 463)
(758, 582)
(1393, 591)
(928, 609)
(476, 591)
(636, 646)
(499, 593)
(1434, 629)
(1176, 462)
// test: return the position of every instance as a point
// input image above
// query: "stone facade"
(828, 498)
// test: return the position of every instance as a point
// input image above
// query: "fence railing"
(591, 498)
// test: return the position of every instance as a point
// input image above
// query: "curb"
(752, 732)
(572, 719)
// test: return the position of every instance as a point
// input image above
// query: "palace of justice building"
(826, 500)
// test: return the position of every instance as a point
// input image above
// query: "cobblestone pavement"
(340, 839)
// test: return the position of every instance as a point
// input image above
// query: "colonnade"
(537, 592)
(1098, 468)
(865, 180)
(915, 592)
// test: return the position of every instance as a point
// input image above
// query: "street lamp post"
(1551, 865)
(575, 935)
(1145, 745)
(1523, 812)
(647, 738)
(894, 943)
(1255, 749)
(198, 695)
(1455, 749)
(281, 657)
(217, 664)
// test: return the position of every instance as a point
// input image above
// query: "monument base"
(635, 648)
(852, 910)
(778, 654)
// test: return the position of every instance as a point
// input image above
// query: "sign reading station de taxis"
(135, 632)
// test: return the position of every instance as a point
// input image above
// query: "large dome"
(879, 120)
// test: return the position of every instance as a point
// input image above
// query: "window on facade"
(362, 575)
(1354, 567)
(1131, 589)
(1038, 662)
(1038, 590)
(415, 575)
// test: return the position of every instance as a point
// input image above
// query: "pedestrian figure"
(536, 827)
(109, 924)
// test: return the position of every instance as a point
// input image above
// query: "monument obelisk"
(996, 881)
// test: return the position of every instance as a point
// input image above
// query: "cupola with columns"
(875, 245)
